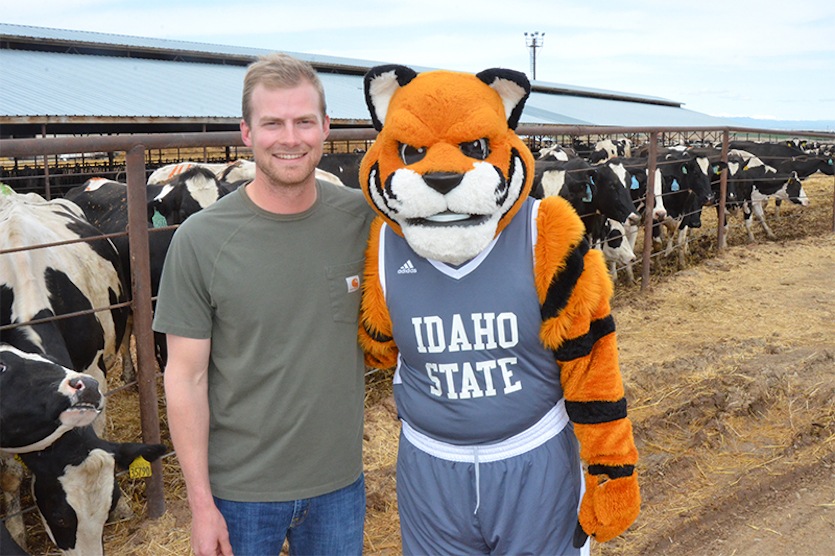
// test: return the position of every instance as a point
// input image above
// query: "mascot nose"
(443, 182)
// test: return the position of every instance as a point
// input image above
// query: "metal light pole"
(533, 41)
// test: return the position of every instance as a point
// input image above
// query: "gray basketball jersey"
(471, 367)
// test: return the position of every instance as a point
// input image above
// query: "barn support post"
(142, 317)
(47, 188)
(650, 205)
(723, 190)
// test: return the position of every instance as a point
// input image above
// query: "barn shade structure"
(138, 106)
(72, 82)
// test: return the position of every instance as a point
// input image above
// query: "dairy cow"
(593, 191)
(760, 182)
(104, 202)
(610, 148)
(686, 189)
(344, 166)
(610, 238)
(42, 283)
(45, 414)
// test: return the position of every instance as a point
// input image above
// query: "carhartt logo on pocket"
(407, 268)
(353, 283)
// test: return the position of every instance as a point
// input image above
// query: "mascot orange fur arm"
(375, 324)
(574, 290)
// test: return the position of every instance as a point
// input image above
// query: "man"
(259, 300)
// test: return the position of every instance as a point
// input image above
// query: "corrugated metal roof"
(38, 83)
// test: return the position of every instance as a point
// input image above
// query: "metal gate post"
(142, 316)
(723, 192)
(648, 208)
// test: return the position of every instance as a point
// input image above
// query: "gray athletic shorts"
(525, 504)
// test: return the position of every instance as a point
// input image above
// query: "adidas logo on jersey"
(407, 268)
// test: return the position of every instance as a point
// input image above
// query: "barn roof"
(83, 82)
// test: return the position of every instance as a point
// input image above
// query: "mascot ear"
(513, 87)
(381, 82)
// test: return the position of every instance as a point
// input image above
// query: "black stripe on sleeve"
(562, 284)
(377, 337)
(593, 413)
(582, 346)
(613, 472)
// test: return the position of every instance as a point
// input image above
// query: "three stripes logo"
(407, 268)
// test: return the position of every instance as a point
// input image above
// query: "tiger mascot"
(496, 315)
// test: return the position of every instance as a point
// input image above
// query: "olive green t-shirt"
(279, 297)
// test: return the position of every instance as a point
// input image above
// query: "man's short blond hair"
(279, 71)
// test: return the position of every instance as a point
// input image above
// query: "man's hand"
(209, 536)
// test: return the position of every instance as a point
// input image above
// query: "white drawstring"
(477, 481)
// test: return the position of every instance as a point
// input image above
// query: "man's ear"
(381, 82)
(245, 134)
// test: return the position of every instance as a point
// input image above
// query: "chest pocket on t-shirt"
(344, 282)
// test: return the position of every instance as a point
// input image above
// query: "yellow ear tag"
(18, 459)
(140, 468)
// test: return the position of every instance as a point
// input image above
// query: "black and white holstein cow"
(610, 148)
(598, 195)
(633, 174)
(104, 202)
(759, 182)
(39, 284)
(47, 282)
(46, 411)
(686, 190)
(611, 238)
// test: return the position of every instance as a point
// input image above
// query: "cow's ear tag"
(635, 184)
(158, 220)
(140, 468)
(675, 186)
(684, 170)
(6, 190)
(587, 198)
(18, 459)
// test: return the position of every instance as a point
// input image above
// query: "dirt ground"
(729, 368)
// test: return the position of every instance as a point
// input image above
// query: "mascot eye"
(479, 149)
(410, 154)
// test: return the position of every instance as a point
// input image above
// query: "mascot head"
(447, 172)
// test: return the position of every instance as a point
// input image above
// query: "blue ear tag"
(675, 186)
(158, 220)
(830, 162)
(684, 170)
(587, 198)
(635, 184)
(716, 170)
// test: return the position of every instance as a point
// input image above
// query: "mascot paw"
(609, 506)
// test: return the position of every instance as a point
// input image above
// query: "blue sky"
(765, 59)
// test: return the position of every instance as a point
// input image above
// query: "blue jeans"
(326, 525)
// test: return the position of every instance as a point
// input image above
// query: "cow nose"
(85, 387)
(443, 182)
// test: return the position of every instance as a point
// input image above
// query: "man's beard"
(285, 178)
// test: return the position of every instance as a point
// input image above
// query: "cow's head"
(41, 400)
(795, 192)
(186, 194)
